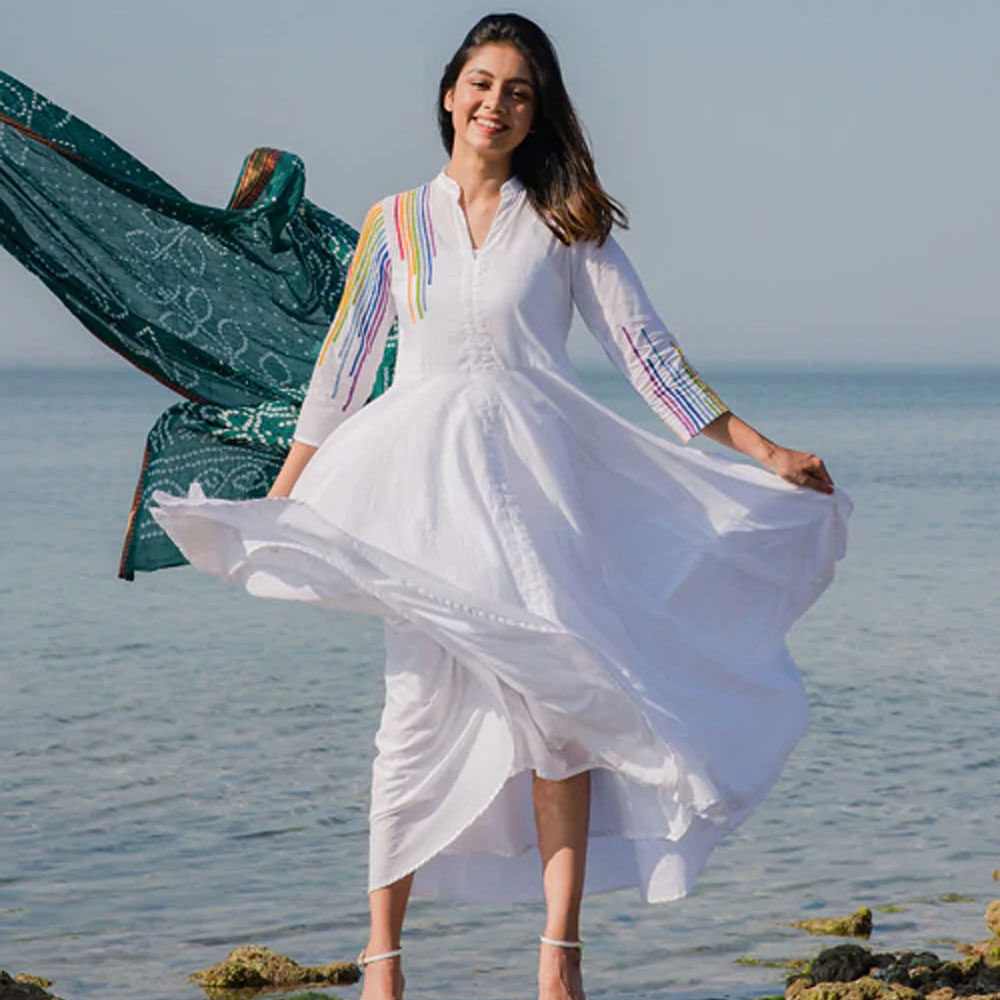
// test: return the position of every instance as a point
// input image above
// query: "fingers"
(815, 476)
(809, 471)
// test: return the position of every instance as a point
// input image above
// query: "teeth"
(492, 126)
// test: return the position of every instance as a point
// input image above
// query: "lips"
(490, 125)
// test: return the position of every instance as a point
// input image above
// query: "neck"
(477, 176)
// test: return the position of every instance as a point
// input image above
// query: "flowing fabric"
(562, 591)
(227, 307)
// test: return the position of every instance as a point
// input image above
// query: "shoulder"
(594, 253)
(393, 205)
(406, 217)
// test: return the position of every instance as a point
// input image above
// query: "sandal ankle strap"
(558, 943)
(364, 959)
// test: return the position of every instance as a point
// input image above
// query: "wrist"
(766, 452)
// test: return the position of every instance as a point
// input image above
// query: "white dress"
(562, 591)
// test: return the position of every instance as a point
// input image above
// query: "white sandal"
(560, 944)
(364, 959)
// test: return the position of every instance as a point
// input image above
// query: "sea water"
(184, 768)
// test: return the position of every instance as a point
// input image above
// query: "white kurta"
(562, 591)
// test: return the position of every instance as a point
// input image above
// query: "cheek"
(524, 123)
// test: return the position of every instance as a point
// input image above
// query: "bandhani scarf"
(226, 306)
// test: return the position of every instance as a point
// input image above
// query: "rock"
(251, 966)
(858, 924)
(24, 987)
(842, 964)
(865, 988)
(989, 949)
(992, 917)
(798, 964)
(850, 972)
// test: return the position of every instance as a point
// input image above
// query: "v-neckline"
(508, 191)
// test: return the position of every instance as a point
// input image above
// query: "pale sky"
(808, 180)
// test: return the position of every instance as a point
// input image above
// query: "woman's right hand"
(295, 461)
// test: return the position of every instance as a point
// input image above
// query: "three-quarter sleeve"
(352, 350)
(614, 305)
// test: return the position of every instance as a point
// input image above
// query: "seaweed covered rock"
(850, 972)
(990, 948)
(865, 988)
(857, 924)
(992, 917)
(250, 966)
(24, 987)
(842, 964)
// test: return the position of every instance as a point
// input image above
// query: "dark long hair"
(554, 161)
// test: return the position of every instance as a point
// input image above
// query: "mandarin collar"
(510, 187)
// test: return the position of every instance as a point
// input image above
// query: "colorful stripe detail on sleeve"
(677, 392)
(363, 305)
(411, 213)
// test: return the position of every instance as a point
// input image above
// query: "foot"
(559, 975)
(383, 980)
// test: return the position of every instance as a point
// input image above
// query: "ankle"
(561, 932)
(378, 944)
(373, 955)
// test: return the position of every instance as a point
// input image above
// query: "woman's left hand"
(800, 467)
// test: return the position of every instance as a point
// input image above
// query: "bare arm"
(799, 467)
(295, 461)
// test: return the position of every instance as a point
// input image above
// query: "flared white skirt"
(562, 591)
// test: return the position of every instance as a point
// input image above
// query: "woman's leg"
(562, 818)
(384, 979)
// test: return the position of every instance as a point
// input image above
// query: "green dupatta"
(227, 307)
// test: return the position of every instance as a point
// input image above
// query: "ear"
(449, 100)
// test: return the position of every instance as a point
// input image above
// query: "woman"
(584, 623)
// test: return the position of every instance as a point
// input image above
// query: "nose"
(493, 98)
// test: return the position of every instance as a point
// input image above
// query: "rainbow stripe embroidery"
(679, 394)
(411, 213)
(363, 305)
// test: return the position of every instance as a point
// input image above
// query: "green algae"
(856, 924)
(850, 972)
(254, 968)
(24, 987)
(772, 963)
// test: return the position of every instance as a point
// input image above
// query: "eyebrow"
(513, 79)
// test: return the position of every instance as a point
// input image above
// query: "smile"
(489, 125)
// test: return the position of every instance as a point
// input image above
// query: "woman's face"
(493, 101)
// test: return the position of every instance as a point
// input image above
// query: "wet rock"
(992, 917)
(988, 950)
(842, 964)
(24, 987)
(865, 988)
(253, 967)
(858, 924)
(772, 963)
(850, 972)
